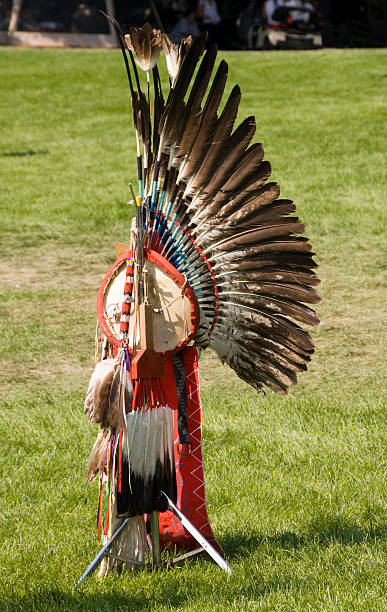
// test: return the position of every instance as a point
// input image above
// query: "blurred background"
(242, 24)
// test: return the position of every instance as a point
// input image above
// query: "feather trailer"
(207, 127)
(278, 275)
(265, 214)
(222, 133)
(190, 124)
(254, 236)
(290, 308)
(288, 291)
(250, 169)
(202, 337)
(248, 201)
(170, 122)
(259, 369)
(158, 107)
(229, 159)
(286, 331)
(293, 261)
(148, 461)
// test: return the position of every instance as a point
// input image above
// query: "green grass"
(295, 487)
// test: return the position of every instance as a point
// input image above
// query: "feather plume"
(174, 53)
(97, 454)
(148, 461)
(120, 397)
(96, 401)
(109, 394)
(146, 44)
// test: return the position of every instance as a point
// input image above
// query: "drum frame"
(176, 276)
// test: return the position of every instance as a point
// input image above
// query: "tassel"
(110, 513)
(106, 514)
(119, 462)
(99, 514)
(148, 393)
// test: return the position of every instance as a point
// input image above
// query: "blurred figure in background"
(208, 13)
(305, 19)
(88, 18)
(185, 26)
(248, 22)
(306, 13)
(280, 13)
(272, 17)
(221, 31)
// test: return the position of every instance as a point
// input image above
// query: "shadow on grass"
(24, 153)
(171, 595)
(334, 530)
(175, 592)
(56, 599)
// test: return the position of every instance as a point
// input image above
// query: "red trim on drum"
(179, 279)
(101, 293)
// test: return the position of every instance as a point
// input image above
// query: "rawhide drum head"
(176, 309)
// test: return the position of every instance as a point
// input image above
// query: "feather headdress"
(213, 214)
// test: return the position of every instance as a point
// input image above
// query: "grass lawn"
(295, 487)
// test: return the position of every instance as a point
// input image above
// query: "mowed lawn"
(295, 486)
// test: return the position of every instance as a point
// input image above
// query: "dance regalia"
(214, 259)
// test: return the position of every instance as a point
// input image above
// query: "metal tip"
(132, 191)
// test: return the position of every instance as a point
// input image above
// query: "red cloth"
(191, 498)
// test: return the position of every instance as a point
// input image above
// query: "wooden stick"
(155, 538)
(15, 14)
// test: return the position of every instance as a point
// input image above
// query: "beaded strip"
(128, 300)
